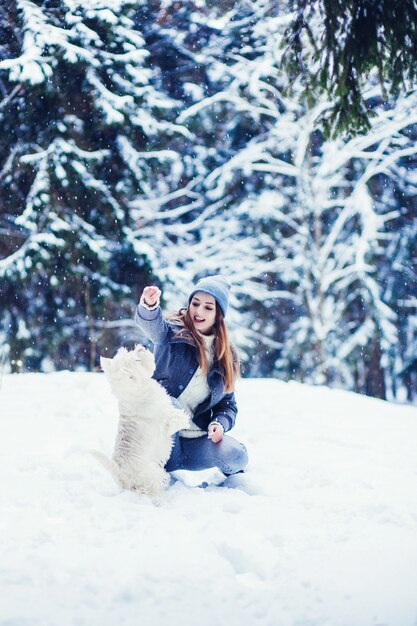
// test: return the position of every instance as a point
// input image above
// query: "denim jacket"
(176, 363)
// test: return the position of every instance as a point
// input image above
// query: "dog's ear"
(104, 363)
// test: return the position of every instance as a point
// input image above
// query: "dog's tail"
(110, 465)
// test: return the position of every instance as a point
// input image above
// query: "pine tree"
(79, 109)
(318, 211)
(335, 45)
(192, 227)
(400, 285)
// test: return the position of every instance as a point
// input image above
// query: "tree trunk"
(375, 375)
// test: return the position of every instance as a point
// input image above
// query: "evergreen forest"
(155, 142)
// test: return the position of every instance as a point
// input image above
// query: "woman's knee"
(242, 456)
(236, 455)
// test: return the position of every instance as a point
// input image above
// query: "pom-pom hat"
(216, 286)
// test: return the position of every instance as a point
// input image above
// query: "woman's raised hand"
(151, 295)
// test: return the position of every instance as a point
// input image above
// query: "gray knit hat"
(216, 286)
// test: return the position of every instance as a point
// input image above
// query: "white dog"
(147, 421)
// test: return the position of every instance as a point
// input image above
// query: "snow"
(321, 530)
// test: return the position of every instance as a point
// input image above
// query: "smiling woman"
(198, 366)
(203, 312)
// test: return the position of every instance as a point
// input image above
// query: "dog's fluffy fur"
(147, 421)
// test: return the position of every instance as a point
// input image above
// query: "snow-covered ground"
(321, 531)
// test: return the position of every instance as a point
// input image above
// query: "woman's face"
(203, 312)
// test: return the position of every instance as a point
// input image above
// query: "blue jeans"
(201, 453)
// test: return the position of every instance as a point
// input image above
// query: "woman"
(197, 365)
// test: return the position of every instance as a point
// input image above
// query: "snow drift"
(321, 531)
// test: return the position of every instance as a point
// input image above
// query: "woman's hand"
(215, 432)
(151, 295)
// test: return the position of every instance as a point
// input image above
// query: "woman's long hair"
(224, 352)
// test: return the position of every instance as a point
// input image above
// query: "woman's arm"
(224, 417)
(148, 315)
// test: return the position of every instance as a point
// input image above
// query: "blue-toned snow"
(321, 531)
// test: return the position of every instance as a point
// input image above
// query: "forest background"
(156, 142)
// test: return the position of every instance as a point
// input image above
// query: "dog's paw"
(177, 420)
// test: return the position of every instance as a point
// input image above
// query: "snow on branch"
(112, 105)
(36, 64)
(239, 104)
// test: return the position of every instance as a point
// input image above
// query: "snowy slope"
(322, 530)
